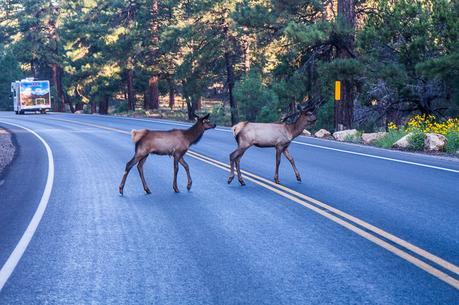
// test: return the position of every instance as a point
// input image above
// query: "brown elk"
(175, 142)
(277, 135)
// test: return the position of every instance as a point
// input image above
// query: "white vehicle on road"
(31, 95)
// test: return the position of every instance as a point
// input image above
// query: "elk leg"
(142, 177)
(235, 157)
(232, 161)
(292, 162)
(238, 166)
(239, 176)
(278, 159)
(187, 169)
(176, 168)
(129, 165)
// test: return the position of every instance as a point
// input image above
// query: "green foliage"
(390, 138)
(416, 140)
(256, 101)
(453, 142)
(11, 72)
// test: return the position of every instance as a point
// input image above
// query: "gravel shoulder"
(7, 149)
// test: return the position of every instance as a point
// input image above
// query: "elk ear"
(206, 116)
(195, 116)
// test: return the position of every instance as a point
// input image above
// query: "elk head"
(204, 121)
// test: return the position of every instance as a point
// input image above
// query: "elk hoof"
(147, 191)
(298, 178)
(188, 187)
(276, 180)
(230, 179)
(242, 182)
(176, 189)
(120, 190)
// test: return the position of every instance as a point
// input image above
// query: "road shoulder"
(7, 150)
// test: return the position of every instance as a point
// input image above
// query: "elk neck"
(194, 133)
(300, 124)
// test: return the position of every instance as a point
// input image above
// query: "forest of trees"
(258, 58)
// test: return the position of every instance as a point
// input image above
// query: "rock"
(435, 142)
(370, 138)
(78, 112)
(323, 133)
(345, 134)
(306, 133)
(403, 142)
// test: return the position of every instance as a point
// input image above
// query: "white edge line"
(160, 121)
(379, 157)
(20, 248)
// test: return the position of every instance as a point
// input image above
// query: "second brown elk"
(277, 135)
(175, 143)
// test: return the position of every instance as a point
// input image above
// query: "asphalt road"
(366, 226)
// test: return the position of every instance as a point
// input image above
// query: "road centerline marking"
(21, 246)
(311, 203)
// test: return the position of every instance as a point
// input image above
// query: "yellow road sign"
(337, 90)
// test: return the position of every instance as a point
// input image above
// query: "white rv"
(31, 95)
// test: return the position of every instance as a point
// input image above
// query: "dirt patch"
(7, 149)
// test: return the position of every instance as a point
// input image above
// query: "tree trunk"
(145, 100)
(153, 97)
(153, 93)
(171, 84)
(130, 90)
(343, 112)
(103, 105)
(247, 54)
(230, 82)
(57, 81)
(93, 107)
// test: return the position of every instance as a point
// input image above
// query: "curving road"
(366, 226)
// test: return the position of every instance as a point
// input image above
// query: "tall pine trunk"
(343, 112)
(230, 83)
(171, 84)
(130, 90)
(103, 104)
(57, 81)
(153, 96)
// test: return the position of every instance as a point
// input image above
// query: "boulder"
(323, 133)
(435, 142)
(306, 133)
(370, 138)
(403, 142)
(344, 134)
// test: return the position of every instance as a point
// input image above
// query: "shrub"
(256, 101)
(354, 138)
(416, 140)
(390, 138)
(453, 141)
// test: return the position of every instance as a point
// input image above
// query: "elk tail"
(137, 135)
(237, 129)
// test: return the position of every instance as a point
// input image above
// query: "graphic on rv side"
(34, 93)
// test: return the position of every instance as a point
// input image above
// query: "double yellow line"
(356, 225)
